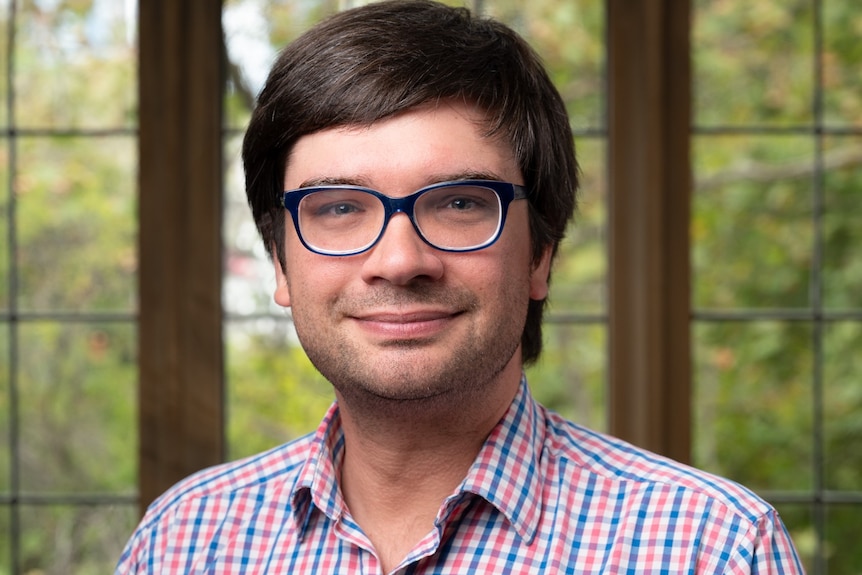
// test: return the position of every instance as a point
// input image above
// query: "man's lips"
(402, 316)
(404, 324)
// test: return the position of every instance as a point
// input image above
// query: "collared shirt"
(543, 496)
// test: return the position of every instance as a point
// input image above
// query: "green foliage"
(842, 25)
(274, 393)
(76, 198)
(768, 265)
(580, 270)
(753, 389)
(83, 540)
(753, 62)
(75, 236)
(570, 375)
(569, 36)
(75, 64)
(771, 233)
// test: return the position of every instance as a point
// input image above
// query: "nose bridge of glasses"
(403, 204)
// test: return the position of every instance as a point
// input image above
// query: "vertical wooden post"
(180, 346)
(649, 185)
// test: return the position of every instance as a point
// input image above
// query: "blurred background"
(774, 306)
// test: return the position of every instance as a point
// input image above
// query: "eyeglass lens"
(452, 217)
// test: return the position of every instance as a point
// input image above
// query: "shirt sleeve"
(133, 559)
(772, 552)
(775, 552)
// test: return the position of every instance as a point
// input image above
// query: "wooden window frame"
(180, 397)
(649, 189)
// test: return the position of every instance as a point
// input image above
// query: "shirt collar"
(505, 472)
(317, 484)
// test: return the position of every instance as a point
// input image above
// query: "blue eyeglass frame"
(506, 192)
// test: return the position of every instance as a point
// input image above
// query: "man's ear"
(282, 290)
(539, 275)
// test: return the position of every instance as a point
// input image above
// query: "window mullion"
(180, 346)
(649, 191)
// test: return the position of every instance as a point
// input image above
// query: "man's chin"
(397, 390)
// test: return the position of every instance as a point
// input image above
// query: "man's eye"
(342, 209)
(336, 209)
(461, 204)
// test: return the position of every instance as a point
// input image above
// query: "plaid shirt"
(543, 496)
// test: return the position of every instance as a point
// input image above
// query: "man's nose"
(401, 256)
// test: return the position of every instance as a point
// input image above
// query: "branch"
(832, 160)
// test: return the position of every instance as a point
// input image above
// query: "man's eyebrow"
(334, 181)
(463, 175)
(364, 182)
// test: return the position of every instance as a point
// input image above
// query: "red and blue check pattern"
(543, 496)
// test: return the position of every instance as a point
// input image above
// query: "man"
(411, 170)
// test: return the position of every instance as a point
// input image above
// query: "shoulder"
(219, 508)
(265, 470)
(629, 468)
(214, 501)
(653, 504)
(225, 493)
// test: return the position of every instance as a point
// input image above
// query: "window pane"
(570, 38)
(4, 68)
(277, 395)
(5, 220)
(248, 278)
(579, 275)
(752, 403)
(752, 62)
(76, 224)
(254, 32)
(842, 410)
(72, 132)
(842, 27)
(570, 376)
(77, 389)
(74, 538)
(752, 228)
(842, 273)
(75, 64)
(5, 539)
(843, 552)
(5, 417)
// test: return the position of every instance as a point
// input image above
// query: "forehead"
(409, 150)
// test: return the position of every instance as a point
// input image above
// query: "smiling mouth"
(405, 316)
(405, 326)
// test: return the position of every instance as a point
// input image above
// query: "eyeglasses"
(459, 216)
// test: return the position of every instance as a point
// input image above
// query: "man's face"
(405, 321)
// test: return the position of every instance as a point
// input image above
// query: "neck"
(402, 461)
(417, 443)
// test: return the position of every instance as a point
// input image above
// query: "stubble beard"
(403, 381)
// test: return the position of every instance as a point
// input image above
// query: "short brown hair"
(372, 62)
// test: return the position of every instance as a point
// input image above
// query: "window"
(769, 308)
(776, 326)
(67, 284)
